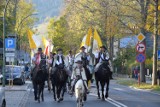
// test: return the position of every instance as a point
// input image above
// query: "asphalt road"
(119, 96)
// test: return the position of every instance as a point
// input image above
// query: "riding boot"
(72, 88)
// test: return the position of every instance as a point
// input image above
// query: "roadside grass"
(134, 83)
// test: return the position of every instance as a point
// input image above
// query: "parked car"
(15, 73)
(2, 97)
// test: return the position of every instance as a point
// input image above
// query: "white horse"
(80, 93)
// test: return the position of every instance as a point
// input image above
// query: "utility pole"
(155, 44)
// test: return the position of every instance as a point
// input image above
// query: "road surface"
(119, 96)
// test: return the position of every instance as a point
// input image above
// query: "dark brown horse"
(103, 76)
(39, 76)
(59, 79)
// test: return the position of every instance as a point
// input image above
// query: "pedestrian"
(26, 70)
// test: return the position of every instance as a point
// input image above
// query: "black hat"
(39, 49)
(82, 47)
(59, 49)
(103, 47)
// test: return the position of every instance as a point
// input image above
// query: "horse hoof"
(58, 100)
(103, 99)
(61, 99)
(38, 100)
(98, 98)
(106, 96)
(35, 98)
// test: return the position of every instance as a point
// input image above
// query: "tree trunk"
(155, 44)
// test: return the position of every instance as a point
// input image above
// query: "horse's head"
(104, 67)
(42, 65)
(61, 66)
(84, 61)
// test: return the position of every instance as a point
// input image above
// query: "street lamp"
(4, 33)
(21, 22)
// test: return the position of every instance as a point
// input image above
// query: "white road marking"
(119, 89)
(114, 102)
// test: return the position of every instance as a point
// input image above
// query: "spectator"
(27, 72)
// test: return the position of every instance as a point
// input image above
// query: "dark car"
(15, 73)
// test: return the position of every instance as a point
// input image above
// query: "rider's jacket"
(70, 59)
(83, 56)
(37, 58)
(102, 56)
(78, 72)
(58, 59)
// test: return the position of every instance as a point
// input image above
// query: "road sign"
(158, 55)
(140, 47)
(10, 54)
(140, 37)
(10, 44)
(141, 57)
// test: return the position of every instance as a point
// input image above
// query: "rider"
(103, 56)
(70, 59)
(83, 54)
(59, 60)
(79, 71)
(37, 59)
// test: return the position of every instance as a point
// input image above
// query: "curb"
(146, 90)
(17, 88)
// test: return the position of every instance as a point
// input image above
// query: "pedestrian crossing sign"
(158, 54)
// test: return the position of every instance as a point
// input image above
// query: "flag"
(83, 43)
(47, 45)
(88, 38)
(97, 38)
(31, 41)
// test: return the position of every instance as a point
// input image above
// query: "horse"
(88, 74)
(103, 76)
(38, 79)
(59, 79)
(80, 93)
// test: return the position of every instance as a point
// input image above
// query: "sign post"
(140, 57)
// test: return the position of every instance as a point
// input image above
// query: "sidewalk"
(16, 96)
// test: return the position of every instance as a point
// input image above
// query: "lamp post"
(21, 22)
(4, 34)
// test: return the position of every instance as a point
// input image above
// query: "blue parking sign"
(10, 44)
(158, 54)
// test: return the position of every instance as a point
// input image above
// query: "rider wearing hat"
(103, 56)
(59, 61)
(37, 57)
(83, 54)
(79, 72)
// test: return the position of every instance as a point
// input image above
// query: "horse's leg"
(42, 90)
(58, 93)
(63, 91)
(38, 91)
(98, 89)
(35, 90)
(53, 88)
(107, 88)
(102, 88)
